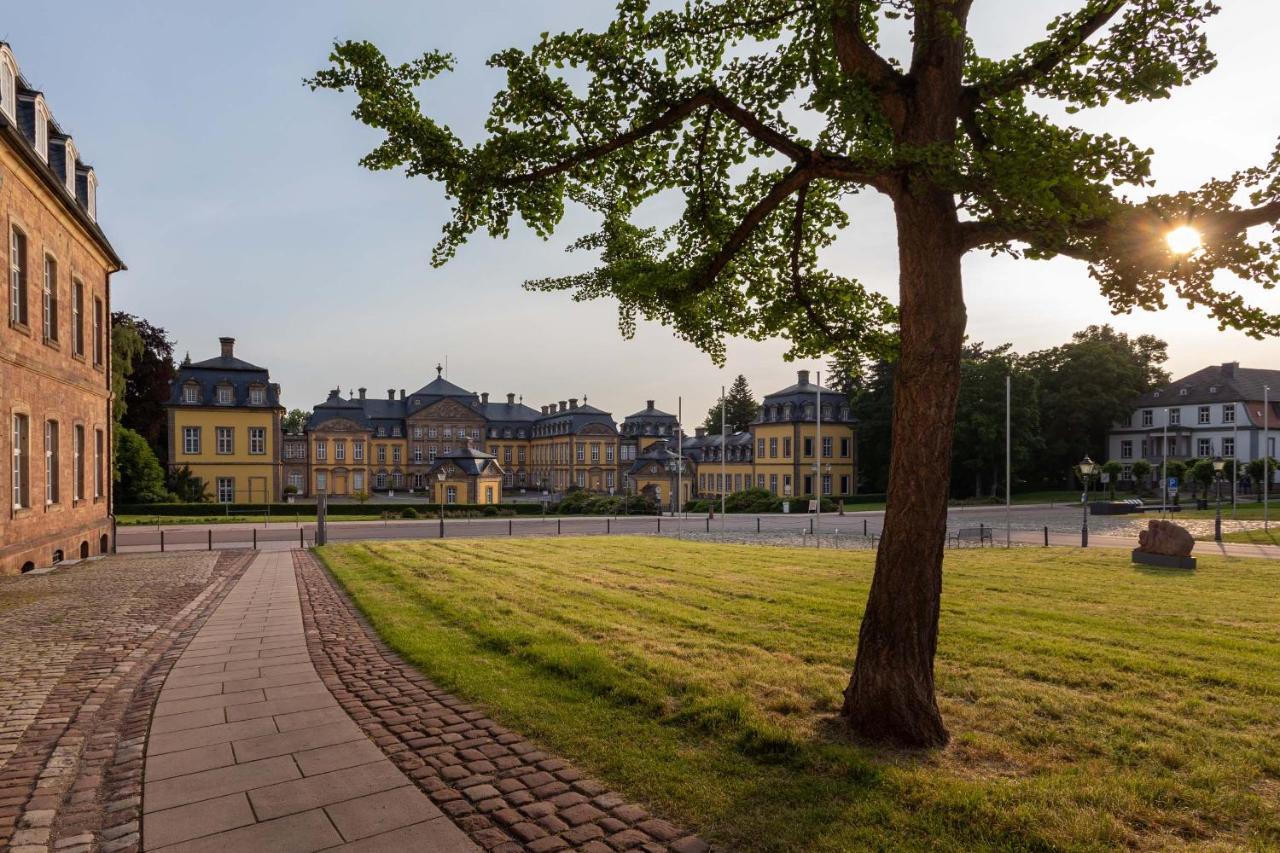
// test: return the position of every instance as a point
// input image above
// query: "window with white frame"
(99, 342)
(431, 453)
(322, 481)
(21, 468)
(1229, 447)
(225, 440)
(417, 432)
(397, 479)
(431, 432)
(295, 480)
(42, 130)
(99, 459)
(8, 87)
(395, 432)
(357, 481)
(77, 463)
(826, 484)
(50, 299)
(1175, 417)
(382, 454)
(191, 440)
(17, 277)
(1204, 447)
(257, 395)
(1148, 417)
(1202, 415)
(395, 455)
(380, 480)
(1126, 449)
(595, 453)
(225, 395)
(52, 473)
(582, 479)
(520, 455)
(322, 451)
(582, 452)
(191, 393)
(451, 494)
(77, 319)
(339, 451)
(417, 453)
(226, 490)
(1229, 413)
(357, 451)
(257, 440)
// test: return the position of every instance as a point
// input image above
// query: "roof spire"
(439, 369)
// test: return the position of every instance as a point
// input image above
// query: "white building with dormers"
(1216, 411)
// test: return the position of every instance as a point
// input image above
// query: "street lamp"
(675, 468)
(1218, 466)
(441, 475)
(1087, 467)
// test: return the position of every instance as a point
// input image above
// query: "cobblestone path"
(506, 793)
(77, 647)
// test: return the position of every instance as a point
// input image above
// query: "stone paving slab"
(249, 750)
(80, 650)
(509, 795)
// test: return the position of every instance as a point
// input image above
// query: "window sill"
(21, 511)
(18, 326)
(53, 344)
(78, 356)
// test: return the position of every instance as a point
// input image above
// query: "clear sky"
(232, 192)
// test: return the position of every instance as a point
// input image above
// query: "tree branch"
(744, 118)
(797, 288)
(1054, 56)
(856, 57)
(780, 192)
(1140, 225)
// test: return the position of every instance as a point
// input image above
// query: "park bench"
(980, 534)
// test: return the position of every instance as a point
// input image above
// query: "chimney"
(803, 376)
(362, 392)
(1229, 368)
(228, 347)
(511, 399)
(700, 432)
(573, 402)
(484, 397)
(648, 404)
(544, 410)
(401, 393)
(391, 393)
(563, 406)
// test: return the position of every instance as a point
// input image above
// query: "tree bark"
(890, 697)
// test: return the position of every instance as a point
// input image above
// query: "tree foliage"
(294, 421)
(146, 385)
(739, 408)
(140, 479)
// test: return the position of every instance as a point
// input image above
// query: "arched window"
(42, 128)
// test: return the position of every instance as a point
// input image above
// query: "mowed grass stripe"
(1094, 704)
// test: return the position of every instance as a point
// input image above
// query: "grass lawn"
(1092, 704)
(1254, 537)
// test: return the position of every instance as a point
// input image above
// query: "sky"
(233, 193)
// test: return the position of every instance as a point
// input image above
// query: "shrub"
(409, 512)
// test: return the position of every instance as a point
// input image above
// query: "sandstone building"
(55, 343)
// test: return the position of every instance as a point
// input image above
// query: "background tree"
(187, 487)
(126, 348)
(146, 387)
(1087, 386)
(1203, 474)
(1113, 470)
(868, 383)
(1260, 470)
(1141, 474)
(740, 406)
(140, 477)
(294, 421)
(978, 462)
(708, 100)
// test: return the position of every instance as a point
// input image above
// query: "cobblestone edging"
(503, 791)
(73, 781)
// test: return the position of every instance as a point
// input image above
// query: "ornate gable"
(447, 410)
(340, 425)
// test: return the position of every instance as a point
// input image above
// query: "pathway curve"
(249, 750)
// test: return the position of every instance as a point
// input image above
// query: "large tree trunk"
(890, 696)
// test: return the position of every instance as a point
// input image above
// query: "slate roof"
(21, 135)
(469, 459)
(210, 378)
(1232, 383)
(225, 363)
(802, 397)
(337, 406)
(649, 421)
(576, 419)
(659, 452)
(438, 389)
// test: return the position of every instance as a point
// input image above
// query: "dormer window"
(1155, 393)
(1182, 392)
(257, 395)
(1213, 389)
(69, 162)
(225, 397)
(92, 203)
(8, 85)
(191, 393)
(42, 129)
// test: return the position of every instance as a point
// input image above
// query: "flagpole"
(1235, 456)
(680, 455)
(1164, 466)
(817, 465)
(1266, 457)
(1008, 460)
(724, 449)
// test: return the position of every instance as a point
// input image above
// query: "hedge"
(426, 510)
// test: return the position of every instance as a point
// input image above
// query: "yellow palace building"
(225, 425)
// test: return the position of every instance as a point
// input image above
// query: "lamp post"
(1266, 457)
(441, 475)
(1086, 468)
(1218, 465)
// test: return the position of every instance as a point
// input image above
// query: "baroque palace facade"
(453, 445)
(55, 347)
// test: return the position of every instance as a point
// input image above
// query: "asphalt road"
(1025, 525)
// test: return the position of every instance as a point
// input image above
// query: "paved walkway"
(249, 750)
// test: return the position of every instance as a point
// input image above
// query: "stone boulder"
(1165, 538)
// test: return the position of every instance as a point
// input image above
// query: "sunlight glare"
(1183, 240)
